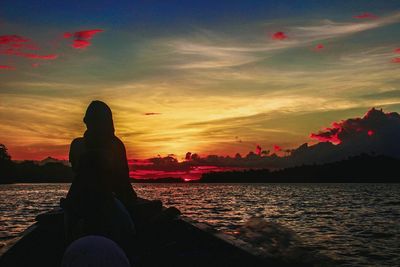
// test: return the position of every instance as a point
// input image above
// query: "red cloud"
(397, 51)
(327, 135)
(365, 15)
(6, 67)
(86, 35)
(151, 113)
(319, 47)
(279, 36)
(277, 148)
(67, 35)
(16, 42)
(81, 38)
(36, 56)
(258, 150)
(8, 39)
(79, 44)
(396, 60)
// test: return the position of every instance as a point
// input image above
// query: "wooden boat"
(178, 242)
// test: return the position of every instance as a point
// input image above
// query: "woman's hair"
(99, 124)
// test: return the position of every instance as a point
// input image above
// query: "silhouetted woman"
(100, 193)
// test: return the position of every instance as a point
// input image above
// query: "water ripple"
(356, 224)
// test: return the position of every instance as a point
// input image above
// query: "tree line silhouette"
(30, 172)
(362, 168)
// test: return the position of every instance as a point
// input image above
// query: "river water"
(354, 224)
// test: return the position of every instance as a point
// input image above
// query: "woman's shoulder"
(118, 143)
(79, 141)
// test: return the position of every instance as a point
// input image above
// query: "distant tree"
(252, 156)
(238, 156)
(7, 167)
(195, 156)
(4, 156)
(265, 152)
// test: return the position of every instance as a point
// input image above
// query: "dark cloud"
(151, 113)
(376, 132)
(354, 129)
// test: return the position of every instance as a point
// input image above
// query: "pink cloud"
(396, 60)
(36, 56)
(81, 38)
(397, 51)
(8, 39)
(258, 150)
(6, 67)
(87, 34)
(67, 35)
(365, 15)
(80, 44)
(279, 36)
(277, 148)
(319, 47)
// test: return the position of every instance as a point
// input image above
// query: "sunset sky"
(211, 77)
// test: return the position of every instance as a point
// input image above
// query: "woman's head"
(98, 119)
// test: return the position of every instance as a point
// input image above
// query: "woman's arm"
(123, 190)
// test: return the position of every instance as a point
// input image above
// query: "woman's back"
(103, 170)
(101, 179)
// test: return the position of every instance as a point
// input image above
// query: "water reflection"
(357, 224)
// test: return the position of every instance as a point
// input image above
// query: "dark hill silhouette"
(363, 168)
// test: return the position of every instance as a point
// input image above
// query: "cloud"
(396, 60)
(16, 44)
(11, 39)
(279, 36)
(82, 38)
(258, 150)
(376, 131)
(319, 47)
(210, 50)
(36, 56)
(365, 15)
(80, 44)
(151, 113)
(6, 67)
(329, 29)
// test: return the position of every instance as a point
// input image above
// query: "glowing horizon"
(204, 82)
